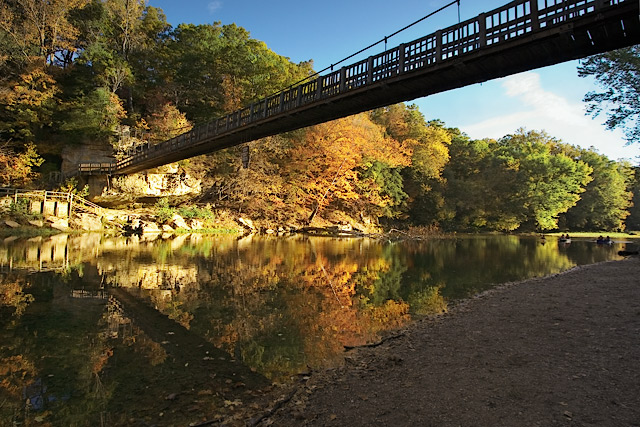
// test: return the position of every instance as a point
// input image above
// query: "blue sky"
(547, 99)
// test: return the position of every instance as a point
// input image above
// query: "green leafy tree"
(146, 61)
(544, 183)
(605, 203)
(378, 180)
(618, 73)
(428, 143)
(521, 181)
(633, 220)
(210, 70)
(471, 178)
(191, 70)
(94, 115)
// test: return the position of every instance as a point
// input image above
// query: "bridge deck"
(522, 35)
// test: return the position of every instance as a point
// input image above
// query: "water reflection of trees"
(51, 356)
(277, 305)
(464, 266)
(284, 306)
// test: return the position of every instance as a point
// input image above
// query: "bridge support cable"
(519, 36)
(383, 40)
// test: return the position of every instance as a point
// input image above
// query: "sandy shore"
(555, 351)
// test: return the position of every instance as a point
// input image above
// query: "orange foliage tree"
(323, 166)
(16, 168)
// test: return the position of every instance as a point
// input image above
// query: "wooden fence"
(51, 199)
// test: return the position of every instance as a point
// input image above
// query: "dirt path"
(562, 350)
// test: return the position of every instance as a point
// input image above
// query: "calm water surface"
(122, 331)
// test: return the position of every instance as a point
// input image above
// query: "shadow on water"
(190, 354)
(122, 331)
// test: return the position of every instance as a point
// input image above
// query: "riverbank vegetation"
(114, 72)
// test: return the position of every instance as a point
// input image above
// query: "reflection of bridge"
(191, 354)
(520, 36)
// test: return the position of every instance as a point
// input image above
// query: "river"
(115, 331)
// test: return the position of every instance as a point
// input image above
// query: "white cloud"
(214, 6)
(545, 110)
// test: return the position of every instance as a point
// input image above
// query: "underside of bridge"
(614, 28)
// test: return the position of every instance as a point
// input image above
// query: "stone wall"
(89, 152)
(165, 181)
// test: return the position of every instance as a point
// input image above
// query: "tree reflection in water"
(105, 330)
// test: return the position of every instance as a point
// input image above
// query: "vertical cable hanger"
(459, 22)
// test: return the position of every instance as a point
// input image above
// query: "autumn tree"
(167, 122)
(27, 104)
(326, 167)
(42, 28)
(17, 167)
(125, 18)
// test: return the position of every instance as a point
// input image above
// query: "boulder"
(196, 224)
(87, 222)
(167, 228)
(61, 224)
(149, 227)
(116, 216)
(36, 222)
(247, 223)
(344, 226)
(178, 222)
(149, 237)
(139, 227)
(12, 224)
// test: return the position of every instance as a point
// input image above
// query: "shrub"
(191, 212)
(163, 211)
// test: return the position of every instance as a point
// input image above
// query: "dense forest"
(75, 72)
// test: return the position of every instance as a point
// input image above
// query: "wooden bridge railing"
(513, 20)
(96, 168)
